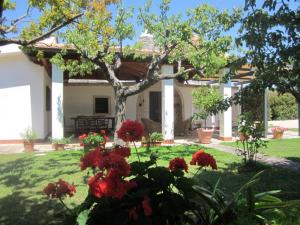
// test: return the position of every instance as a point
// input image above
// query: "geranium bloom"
(178, 164)
(59, 189)
(204, 159)
(146, 206)
(131, 131)
(279, 129)
(123, 151)
(91, 159)
(109, 186)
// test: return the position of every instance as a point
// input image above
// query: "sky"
(177, 6)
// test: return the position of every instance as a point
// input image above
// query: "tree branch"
(4, 41)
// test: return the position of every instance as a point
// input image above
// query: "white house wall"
(22, 84)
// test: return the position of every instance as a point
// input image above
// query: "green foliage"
(270, 31)
(252, 141)
(282, 107)
(29, 135)
(205, 100)
(156, 136)
(64, 140)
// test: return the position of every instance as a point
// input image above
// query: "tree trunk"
(120, 101)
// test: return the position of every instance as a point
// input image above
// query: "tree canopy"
(271, 34)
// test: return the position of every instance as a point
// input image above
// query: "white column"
(226, 116)
(57, 102)
(168, 105)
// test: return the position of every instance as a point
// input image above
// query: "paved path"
(270, 160)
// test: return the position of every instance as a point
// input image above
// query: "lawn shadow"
(17, 209)
(235, 176)
(294, 159)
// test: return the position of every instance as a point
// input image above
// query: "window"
(48, 98)
(101, 105)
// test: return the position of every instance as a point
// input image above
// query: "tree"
(271, 34)
(98, 38)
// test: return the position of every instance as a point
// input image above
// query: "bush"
(282, 107)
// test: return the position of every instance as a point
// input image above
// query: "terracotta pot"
(277, 135)
(243, 136)
(58, 147)
(156, 143)
(28, 146)
(205, 135)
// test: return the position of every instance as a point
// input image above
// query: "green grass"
(284, 148)
(23, 176)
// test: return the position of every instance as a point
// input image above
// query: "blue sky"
(177, 6)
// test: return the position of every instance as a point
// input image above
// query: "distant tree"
(271, 34)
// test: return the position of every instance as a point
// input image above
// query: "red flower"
(131, 131)
(59, 189)
(203, 159)
(83, 136)
(146, 206)
(178, 164)
(91, 159)
(132, 214)
(109, 186)
(123, 151)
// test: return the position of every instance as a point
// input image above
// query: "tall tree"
(99, 42)
(98, 36)
(271, 34)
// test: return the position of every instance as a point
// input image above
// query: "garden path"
(270, 160)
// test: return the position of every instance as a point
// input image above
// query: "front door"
(155, 106)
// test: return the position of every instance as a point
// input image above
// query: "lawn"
(285, 148)
(23, 176)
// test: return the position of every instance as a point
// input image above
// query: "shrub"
(156, 136)
(29, 135)
(282, 107)
(205, 100)
(253, 132)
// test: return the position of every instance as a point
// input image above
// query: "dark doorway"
(155, 106)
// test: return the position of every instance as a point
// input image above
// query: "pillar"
(168, 106)
(57, 102)
(226, 116)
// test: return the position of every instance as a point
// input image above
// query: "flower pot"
(156, 143)
(205, 135)
(277, 135)
(58, 147)
(243, 136)
(28, 146)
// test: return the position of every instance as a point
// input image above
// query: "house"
(35, 93)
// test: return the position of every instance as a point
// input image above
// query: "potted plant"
(278, 132)
(60, 143)
(93, 140)
(156, 138)
(205, 100)
(28, 139)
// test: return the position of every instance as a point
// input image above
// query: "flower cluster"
(93, 138)
(203, 159)
(113, 167)
(59, 189)
(178, 164)
(131, 131)
(278, 129)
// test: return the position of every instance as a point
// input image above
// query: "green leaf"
(161, 175)
(83, 217)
